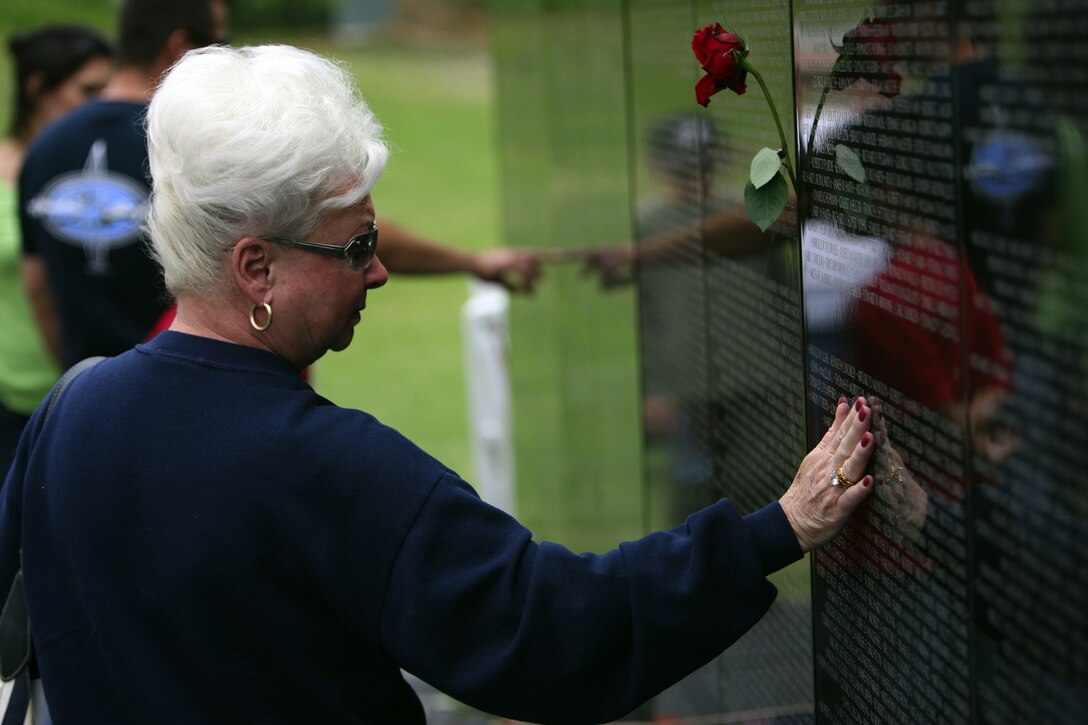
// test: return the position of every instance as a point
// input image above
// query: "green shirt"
(26, 370)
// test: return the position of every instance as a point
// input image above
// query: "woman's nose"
(376, 274)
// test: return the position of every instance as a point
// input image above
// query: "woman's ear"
(33, 85)
(251, 262)
(178, 43)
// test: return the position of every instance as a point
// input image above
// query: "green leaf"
(765, 203)
(850, 163)
(765, 165)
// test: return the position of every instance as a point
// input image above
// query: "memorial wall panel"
(672, 148)
(672, 145)
(934, 259)
(923, 280)
(755, 357)
(717, 297)
(574, 361)
(884, 283)
(1023, 165)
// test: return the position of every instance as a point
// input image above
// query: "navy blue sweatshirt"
(206, 539)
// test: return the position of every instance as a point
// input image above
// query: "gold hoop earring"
(253, 319)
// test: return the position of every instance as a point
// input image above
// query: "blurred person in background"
(84, 191)
(57, 68)
(229, 546)
(84, 188)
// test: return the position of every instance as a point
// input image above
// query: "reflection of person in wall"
(952, 323)
(671, 291)
(685, 215)
(1029, 177)
(680, 226)
(936, 335)
(242, 525)
(919, 320)
(911, 312)
(680, 158)
(929, 325)
(923, 326)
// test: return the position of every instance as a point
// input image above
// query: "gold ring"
(838, 478)
(896, 475)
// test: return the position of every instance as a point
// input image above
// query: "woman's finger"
(851, 457)
(853, 467)
(856, 424)
(856, 484)
(852, 497)
(831, 437)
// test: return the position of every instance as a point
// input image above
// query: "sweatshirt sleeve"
(535, 632)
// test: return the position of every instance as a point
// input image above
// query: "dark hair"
(680, 144)
(54, 53)
(145, 25)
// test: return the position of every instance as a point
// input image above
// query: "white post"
(486, 331)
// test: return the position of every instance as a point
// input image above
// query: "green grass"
(24, 14)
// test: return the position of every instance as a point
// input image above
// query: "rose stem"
(816, 120)
(777, 121)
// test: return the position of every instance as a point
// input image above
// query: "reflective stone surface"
(934, 257)
(559, 76)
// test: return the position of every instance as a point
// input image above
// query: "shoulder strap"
(69, 375)
(16, 647)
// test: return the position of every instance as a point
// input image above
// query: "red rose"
(714, 46)
(869, 52)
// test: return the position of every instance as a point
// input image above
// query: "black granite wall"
(933, 255)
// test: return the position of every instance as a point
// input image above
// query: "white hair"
(259, 140)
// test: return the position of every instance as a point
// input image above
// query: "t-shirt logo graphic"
(1006, 165)
(94, 208)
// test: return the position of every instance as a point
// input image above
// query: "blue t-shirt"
(205, 539)
(83, 198)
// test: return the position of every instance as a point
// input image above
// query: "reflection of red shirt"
(913, 330)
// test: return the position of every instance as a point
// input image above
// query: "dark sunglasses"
(359, 251)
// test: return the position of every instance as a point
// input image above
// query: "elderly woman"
(205, 539)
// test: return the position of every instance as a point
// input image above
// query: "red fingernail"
(857, 405)
(866, 438)
(867, 481)
(862, 414)
(842, 399)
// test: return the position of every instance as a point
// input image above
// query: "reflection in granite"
(935, 258)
